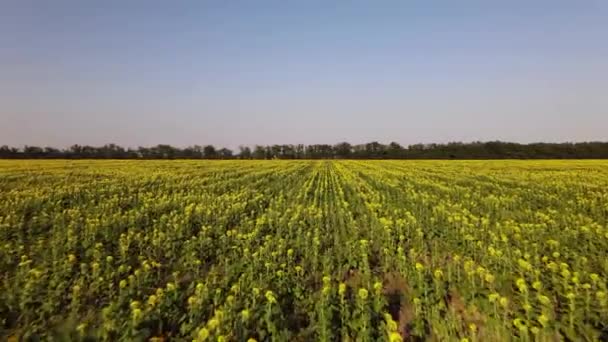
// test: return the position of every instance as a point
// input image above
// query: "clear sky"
(261, 72)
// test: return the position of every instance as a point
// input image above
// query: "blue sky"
(262, 72)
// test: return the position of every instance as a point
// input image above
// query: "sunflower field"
(303, 250)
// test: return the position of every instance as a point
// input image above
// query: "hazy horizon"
(245, 73)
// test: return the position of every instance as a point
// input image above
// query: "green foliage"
(303, 250)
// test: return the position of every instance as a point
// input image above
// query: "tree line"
(343, 150)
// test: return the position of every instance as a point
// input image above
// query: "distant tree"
(359, 151)
(299, 151)
(197, 151)
(288, 151)
(452, 150)
(225, 153)
(7, 152)
(259, 152)
(494, 149)
(374, 149)
(209, 152)
(190, 152)
(395, 150)
(320, 151)
(143, 152)
(274, 152)
(165, 151)
(75, 151)
(313, 152)
(244, 152)
(343, 150)
(51, 152)
(111, 151)
(33, 152)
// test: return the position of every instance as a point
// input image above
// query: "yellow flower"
(556, 255)
(419, 267)
(245, 314)
(520, 324)
(391, 325)
(545, 258)
(170, 287)
(203, 334)
(72, 258)
(341, 289)
(213, 323)
(299, 269)
(543, 320)
(544, 300)
(137, 315)
(521, 285)
(270, 297)
(152, 300)
(192, 300)
(524, 264)
(489, 278)
(503, 301)
(362, 294)
(395, 337)
(81, 328)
